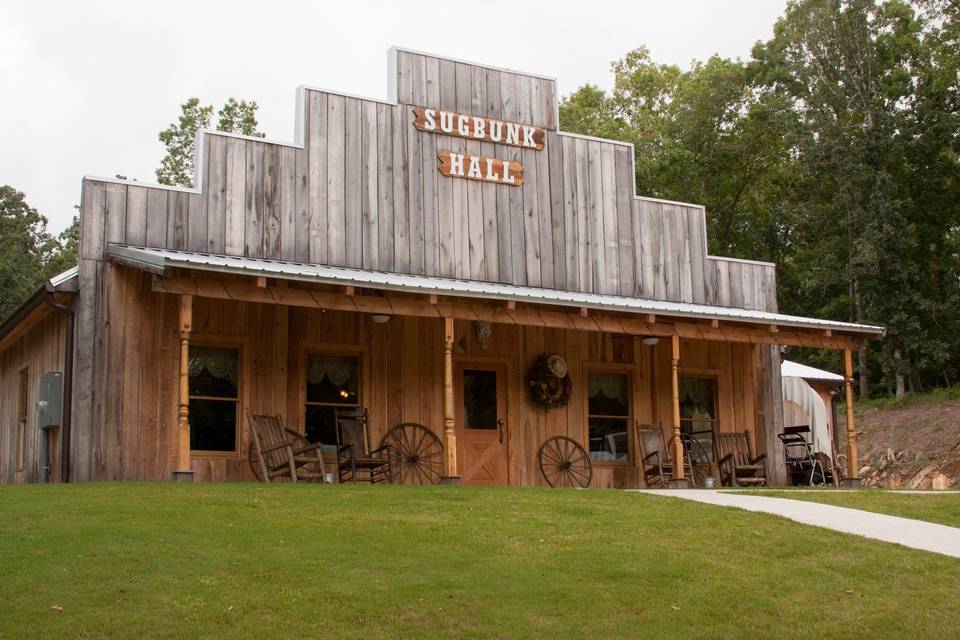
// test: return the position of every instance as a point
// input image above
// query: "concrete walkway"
(915, 534)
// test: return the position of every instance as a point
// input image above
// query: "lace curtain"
(696, 394)
(612, 385)
(218, 361)
(338, 370)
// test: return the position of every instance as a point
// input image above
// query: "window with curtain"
(608, 416)
(698, 415)
(214, 398)
(333, 382)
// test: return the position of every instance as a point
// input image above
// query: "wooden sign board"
(464, 165)
(477, 128)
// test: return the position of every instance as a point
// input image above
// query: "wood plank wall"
(364, 191)
(769, 410)
(41, 351)
(136, 405)
(405, 373)
(134, 409)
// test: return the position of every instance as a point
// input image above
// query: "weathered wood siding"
(133, 408)
(40, 350)
(364, 191)
(136, 407)
(769, 410)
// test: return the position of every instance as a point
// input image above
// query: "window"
(608, 416)
(23, 397)
(214, 398)
(333, 382)
(480, 399)
(698, 415)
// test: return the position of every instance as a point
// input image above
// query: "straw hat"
(557, 366)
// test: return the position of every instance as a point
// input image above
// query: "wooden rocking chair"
(277, 451)
(354, 453)
(738, 465)
(655, 456)
(657, 468)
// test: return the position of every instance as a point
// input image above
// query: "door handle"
(500, 428)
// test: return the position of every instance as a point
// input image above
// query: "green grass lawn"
(210, 560)
(942, 508)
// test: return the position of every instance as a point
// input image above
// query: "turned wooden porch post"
(449, 428)
(183, 471)
(853, 466)
(678, 471)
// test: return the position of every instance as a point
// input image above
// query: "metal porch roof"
(159, 260)
(797, 370)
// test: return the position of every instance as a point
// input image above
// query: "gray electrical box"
(50, 401)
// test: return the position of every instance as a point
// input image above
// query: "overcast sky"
(88, 85)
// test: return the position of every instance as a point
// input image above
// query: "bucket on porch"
(708, 482)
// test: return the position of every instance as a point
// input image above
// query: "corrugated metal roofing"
(160, 259)
(797, 370)
(64, 277)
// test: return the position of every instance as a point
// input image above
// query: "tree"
(64, 255)
(833, 151)
(854, 71)
(239, 117)
(699, 135)
(589, 110)
(25, 249)
(177, 167)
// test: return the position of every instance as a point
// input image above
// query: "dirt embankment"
(910, 447)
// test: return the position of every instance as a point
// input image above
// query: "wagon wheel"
(564, 463)
(416, 454)
(698, 466)
(254, 462)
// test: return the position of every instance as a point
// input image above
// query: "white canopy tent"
(797, 391)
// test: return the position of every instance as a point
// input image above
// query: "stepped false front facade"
(488, 291)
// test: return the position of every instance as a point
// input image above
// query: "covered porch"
(219, 336)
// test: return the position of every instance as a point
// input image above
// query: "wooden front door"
(481, 422)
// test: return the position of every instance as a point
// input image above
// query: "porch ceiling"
(160, 261)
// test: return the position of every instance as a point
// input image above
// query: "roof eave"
(153, 261)
(22, 312)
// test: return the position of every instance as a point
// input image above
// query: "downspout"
(67, 385)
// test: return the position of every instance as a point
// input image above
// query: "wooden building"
(413, 257)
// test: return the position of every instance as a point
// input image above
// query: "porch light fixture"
(380, 318)
(650, 340)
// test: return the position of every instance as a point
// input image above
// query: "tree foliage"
(68, 248)
(831, 151)
(28, 253)
(177, 166)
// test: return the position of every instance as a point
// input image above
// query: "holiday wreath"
(549, 382)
